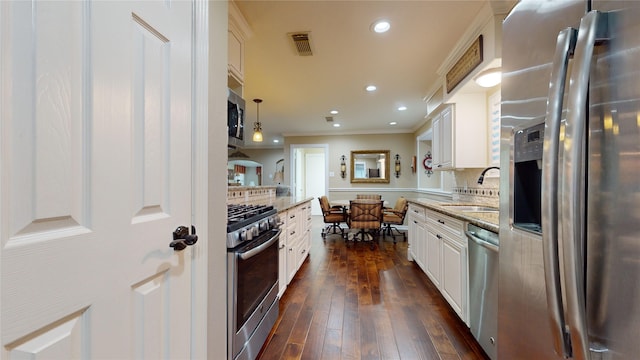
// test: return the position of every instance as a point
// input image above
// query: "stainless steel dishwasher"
(483, 287)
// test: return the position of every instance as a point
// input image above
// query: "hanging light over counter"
(257, 126)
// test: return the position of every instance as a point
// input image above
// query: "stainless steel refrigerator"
(570, 201)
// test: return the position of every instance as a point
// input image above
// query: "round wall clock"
(427, 163)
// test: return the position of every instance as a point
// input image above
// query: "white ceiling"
(299, 91)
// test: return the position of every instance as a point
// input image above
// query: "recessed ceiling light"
(333, 112)
(402, 108)
(276, 141)
(393, 123)
(371, 88)
(381, 26)
(336, 125)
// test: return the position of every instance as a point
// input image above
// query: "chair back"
(401, 205)
(324, 204)
(400, 209)
(365, 214)
(368, 197)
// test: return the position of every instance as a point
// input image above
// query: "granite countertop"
(486, 220)
(283, 203)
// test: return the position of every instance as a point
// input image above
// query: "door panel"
(96, 175)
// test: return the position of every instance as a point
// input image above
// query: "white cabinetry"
(443, 139)
(295, 242)
(282, 260)
(238, 32)
(434, 254)
(304, 227)
(235, 54)
(416, 239)
(446, 237)
(293, 239)
(460, 134)
(438, 245)
(454, 275)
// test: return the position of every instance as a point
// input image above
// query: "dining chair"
(368, 197)
(365, 216)
(333, 216)
(394, 216)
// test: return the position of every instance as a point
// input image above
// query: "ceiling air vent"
(301, 42)
(329, 118)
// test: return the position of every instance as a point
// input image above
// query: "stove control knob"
(265, 225)
(254, 231)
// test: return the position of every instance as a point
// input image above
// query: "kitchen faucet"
(481, 178)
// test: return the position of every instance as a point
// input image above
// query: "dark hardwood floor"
(351, 302)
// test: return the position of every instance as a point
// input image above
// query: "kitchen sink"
(470, 208)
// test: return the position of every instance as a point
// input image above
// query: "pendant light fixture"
(257, 126)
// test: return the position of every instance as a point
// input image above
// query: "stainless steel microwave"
(235, 119)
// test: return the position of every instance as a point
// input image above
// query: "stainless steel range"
(252, 277)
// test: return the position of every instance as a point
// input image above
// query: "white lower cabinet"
(434, 255)
(295, 242)
(416, 239)
(292, 243)
(282, 263)
(454, 276)
(438, 245)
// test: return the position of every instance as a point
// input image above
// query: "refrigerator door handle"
(592, 28)
(564, 49)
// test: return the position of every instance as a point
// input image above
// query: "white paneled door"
(95, 146)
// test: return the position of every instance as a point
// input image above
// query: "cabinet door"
(303, 250)
(433, 256)
(235, 52)
(443, 140)
(446, 139)
(454, 276)
(421, 245)
(411, 242)
(436, 143)
(292, 250)
(282, 264)
(292, 244)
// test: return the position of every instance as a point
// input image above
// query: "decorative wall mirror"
(370, 166)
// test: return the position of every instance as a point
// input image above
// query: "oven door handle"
(255, 251)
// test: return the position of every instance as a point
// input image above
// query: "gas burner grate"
(239, 216)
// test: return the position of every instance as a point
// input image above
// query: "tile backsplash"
(466, 188)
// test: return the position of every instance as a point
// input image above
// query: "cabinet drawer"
(417, 212)
(454, 226)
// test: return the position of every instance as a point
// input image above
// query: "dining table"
(345, 203)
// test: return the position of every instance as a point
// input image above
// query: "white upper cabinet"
(457, 106)
(236, 53)
(460, 137)
(239, 31)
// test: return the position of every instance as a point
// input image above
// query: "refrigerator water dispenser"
(527, 178)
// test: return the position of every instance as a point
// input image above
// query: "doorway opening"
(308, 172)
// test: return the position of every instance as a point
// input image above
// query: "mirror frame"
(385, 180)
